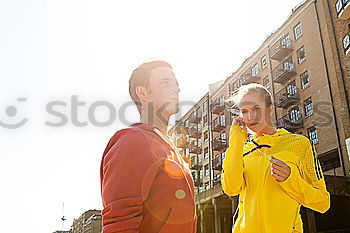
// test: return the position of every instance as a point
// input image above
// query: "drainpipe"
(339, 61)
(330, 90)
(272, 85)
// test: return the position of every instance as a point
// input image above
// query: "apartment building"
(89, 222)
(305, 65)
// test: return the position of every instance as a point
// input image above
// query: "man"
(146, 185)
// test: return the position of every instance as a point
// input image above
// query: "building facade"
(89, 222)
(305, 65)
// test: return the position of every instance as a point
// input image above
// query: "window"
(206, 170)
(301, 55)
(235, 85)
(298, 31)
(206, 153)
(291, 89)
(312, 132)
(200, 189)
(255, 70)
(198, 112)
(205, 120)
(266, 82)
(339, 6)
(207, 186)
(294, 115)
(205, 106)
(241, 81)
(187, 123)
(199, 128)
(206, 137)
(346, 42)
(222, 120)
(223, 136)
(199, 159)
(263, 62)
(187, 152)
(201, 174)
(199, 142)
(308, 107)
(304, 79)
(223, 156)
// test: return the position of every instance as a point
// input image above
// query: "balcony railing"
(194, 148)
(281, 49)
(287, 97)
(330, 166)
(182, 142)
(198, 181)
(217, 125)
(290, 124)
(217, 163)
(284, 71)
(248, 77)
(217, 180)
(195, 132)
(217, 107)
(195, 164)
(196, 118)
(181, 128)
(219, 144)
(343, 9)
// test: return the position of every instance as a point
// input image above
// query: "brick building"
(89, 222)
(305, 65)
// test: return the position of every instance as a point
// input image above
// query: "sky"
(64, 71)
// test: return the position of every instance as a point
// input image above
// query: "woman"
(274, 172)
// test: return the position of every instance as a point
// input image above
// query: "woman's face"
(254, 112)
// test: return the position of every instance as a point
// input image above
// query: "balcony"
(194, 132)
(281, 49)
(248, 77)
(194, 148)
(343, 9)
(290, 124)
(217, 180)
(285, 98)
(182, 142)
(181, 128)
(219, 144)
(197, 181)
(284, 71)
(195, 164)
(217, 125)
(217, 107)
(196, 118)
(217, 163)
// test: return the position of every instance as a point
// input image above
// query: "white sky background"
(51, 50)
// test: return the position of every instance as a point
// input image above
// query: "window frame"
(298, 33)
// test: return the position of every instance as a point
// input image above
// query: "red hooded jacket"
(143, 191)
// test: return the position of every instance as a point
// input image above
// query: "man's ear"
(141, 92)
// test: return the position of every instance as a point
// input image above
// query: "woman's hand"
(279, 169)
(238, 129)
(239, 121)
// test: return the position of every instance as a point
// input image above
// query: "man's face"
(254, 112)
(163, 92)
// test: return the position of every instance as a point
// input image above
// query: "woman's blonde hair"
(252, 88)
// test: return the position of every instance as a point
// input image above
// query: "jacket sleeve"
(128, 171)
(307, 185)
(232, 179)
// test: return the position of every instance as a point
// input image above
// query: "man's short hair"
(140, 77)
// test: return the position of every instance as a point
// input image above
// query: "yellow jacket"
(266, 205)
